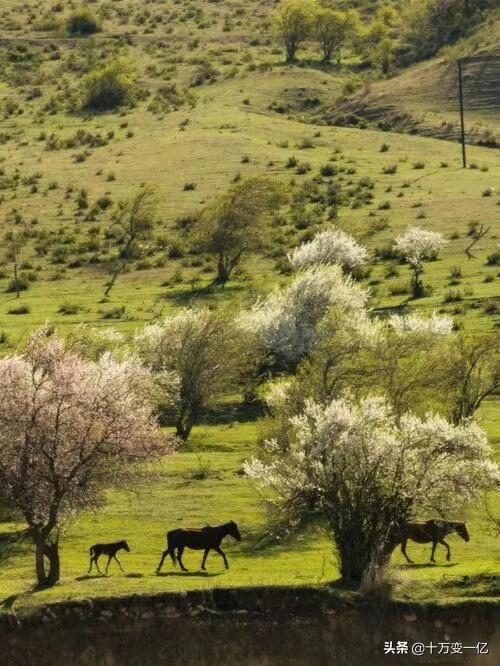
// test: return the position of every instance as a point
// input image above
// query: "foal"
(109, 549)
(206, 539)
(425, 531)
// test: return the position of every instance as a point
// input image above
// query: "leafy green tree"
(196, 357)
(14, 243)
(332, 29)
(131, 222)
(472, 372)
(294, 23)
(233, 224)
(82, 22)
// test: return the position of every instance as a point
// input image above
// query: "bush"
(19, 310)
(21, 284)
(82, 22)
(107, 88)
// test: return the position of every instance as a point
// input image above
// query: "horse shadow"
(427, 565)
(104, 575)
(186, 574)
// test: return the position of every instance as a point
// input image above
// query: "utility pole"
(461, 96)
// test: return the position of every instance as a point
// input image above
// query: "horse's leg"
(91, 563)
(107, 565)
(403, 550)
(448, 554)
(223, 555)
(119, 563)
(97, 564)
(180, 550)
(164, 555)
(434, 545)
(205, 555)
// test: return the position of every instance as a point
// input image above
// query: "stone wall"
(255, 627)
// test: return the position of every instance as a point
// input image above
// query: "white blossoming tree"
(416, 246)
(195, 356)
(365, 472)
(333, 246)
(286, 322)
(67, 427)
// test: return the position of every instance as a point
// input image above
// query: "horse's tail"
(92, 551)
(171, 547)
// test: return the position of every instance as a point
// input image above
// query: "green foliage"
(293, 23)
(82, 22)
(107, 88)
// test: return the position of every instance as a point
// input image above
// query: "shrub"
(19, 310)
(82, 22)
(21, 284)
(107, 88)
(69, 309)
(390, 169)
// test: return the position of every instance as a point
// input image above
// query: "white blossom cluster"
(286, 322)
(361, 450)
(417, 245)
(329, 247)
(414, 323)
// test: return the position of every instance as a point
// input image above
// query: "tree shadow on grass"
(8, 603)
(12, 543)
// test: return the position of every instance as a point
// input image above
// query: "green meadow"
(255, 115)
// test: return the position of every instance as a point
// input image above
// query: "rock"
(410, 617)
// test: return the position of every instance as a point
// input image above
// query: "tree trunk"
(291, 51)
(185, 424)
(113, 279)
(40, 563)
(417, 283)
(16, 280)
(50, 552)
(223, 271)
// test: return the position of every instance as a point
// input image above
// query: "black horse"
(206, 539)
(432, 531)
(109, 549)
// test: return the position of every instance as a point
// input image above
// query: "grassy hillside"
(215, 103)
(424, 98)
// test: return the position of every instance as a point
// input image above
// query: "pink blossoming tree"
(67, 428)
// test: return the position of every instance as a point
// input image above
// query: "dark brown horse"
(206, 539)
(427, 531)
(109, 549)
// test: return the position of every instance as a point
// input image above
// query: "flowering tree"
(68, 426)
(415, 246)
(286, 321)
(329, 247)
(92, 342)
(366, 472)
(195, 356)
